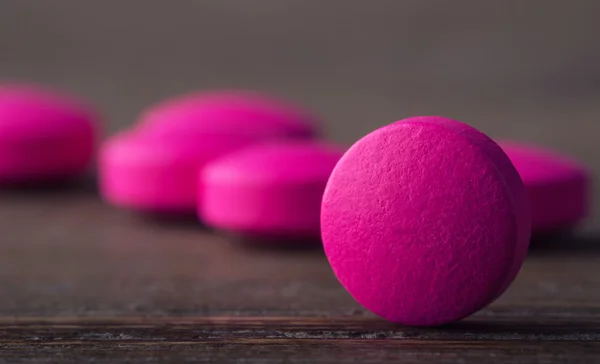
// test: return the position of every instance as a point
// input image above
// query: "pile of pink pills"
(243, 162)
(424, 221)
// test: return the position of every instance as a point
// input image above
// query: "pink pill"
(425, 221)
(44, 134)
(558, 186)
(232, 111)
(272, 190)
(158, 172)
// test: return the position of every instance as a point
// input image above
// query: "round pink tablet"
(233, 111)
(158, 172)
(425, 221)
(44, 134)
(558, 186)
(271, 190)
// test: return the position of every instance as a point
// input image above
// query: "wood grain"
(301, 339)
(81, 281)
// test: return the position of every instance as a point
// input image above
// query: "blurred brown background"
(521, 69)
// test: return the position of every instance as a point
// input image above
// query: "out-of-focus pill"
(154, 166)
(158, 172)
(232, 111)
(271, 190)
(44, 134)
(558, 186)
(425, 221)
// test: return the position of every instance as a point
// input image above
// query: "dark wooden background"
(81, 281)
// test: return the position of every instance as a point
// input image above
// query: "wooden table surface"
(81, 281)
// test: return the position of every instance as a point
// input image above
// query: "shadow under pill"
(565, 241)
(274, 243)
(179, 220)
(86, 184)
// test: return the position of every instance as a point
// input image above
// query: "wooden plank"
(191, 329)
(322, 340)
(318, 351)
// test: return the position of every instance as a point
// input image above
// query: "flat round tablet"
(44, 134)
(271, 190)
(233, 111)
(558, 186)
(158, 172)
(421, 221)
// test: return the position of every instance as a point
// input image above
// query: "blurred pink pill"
(558, 186)
(425, 221)
(231, 111)
(158, 172)
(271, 190)
(44, 134)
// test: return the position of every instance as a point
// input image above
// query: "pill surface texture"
(425, 221)
(158, 172)
(44, 134)
(271, 190)
(558, 186)
(232, 111)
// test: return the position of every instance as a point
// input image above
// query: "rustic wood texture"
(83, 282)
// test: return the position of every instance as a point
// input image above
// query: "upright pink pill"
(558, 186)
(44, 134)
(231, 111)
(425, 221)
(271, 190)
